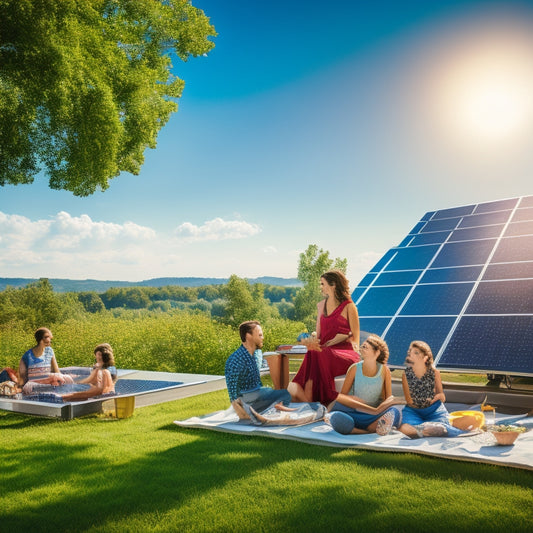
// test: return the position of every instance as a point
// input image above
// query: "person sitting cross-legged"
(243, 378)
(425, 414)
(365, 403)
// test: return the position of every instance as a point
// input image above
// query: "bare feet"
(385, 423)
(241, 413)
(431, 429)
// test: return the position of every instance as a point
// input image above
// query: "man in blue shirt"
(243, 378)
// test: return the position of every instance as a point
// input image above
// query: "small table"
(286, 355)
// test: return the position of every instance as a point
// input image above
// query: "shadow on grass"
(424, 466)
(80, 487)
(17, 421)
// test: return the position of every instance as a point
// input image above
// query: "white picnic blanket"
(478, 448)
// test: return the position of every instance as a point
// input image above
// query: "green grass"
(145, 474)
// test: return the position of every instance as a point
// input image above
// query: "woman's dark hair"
(107, 354)
(337, 279)
(247, 327)
(40, 333)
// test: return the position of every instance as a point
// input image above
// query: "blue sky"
(309, 123)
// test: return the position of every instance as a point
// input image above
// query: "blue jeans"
(344, 419)
(262, 398)
(436, 412)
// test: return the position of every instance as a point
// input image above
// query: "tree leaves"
(86, 85)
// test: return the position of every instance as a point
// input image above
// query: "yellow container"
(109, 409)
(124, 407)
(467, 420)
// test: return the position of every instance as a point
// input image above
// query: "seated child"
(365, 402)
(101, 380)
(425, 414)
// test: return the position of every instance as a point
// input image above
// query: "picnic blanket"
(481, 447)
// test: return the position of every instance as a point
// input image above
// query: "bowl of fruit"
(504, 434)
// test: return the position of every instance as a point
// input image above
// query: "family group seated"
(365, 403)
(39, 372)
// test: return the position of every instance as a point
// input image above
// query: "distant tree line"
(37, 304)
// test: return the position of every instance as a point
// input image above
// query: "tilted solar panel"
(461, 280)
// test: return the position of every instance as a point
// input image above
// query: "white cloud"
(270, 250)
(67, 246)
(77, 247)
(216, 230)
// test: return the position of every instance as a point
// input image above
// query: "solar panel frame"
(456, 269)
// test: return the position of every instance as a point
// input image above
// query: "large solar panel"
(462, 280)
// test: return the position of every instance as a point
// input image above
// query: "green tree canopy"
(37, 305)
(91, 302)
(246, 302)
(313, 263)
(86, 85)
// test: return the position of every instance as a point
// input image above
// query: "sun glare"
(484, 89)
(494, 105)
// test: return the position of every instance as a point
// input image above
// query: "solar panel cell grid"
(464, 253)
(454, 212)
(357, 293)
(398, 278)
(516, 229)
(374, 325)
(461, 286)
(509, 271)
(414, 258)
(441, 225)
(417, 228)
(523, 214)
(430, 238)
(367, 280)
(428, 215)
(527, 201)
(481, 232)
(443, 275)
(503, 297)
(494, 344)
(405, 330)
(383, 261)
(406, 241)
(485, 219)
(489, 207)
(381, 301)
(514, 249)
(443, 299)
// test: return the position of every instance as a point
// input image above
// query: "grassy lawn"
(146, 474)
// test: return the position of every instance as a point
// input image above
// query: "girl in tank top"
(425, 414)
(365, 403)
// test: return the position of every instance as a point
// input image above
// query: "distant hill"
(85, 285)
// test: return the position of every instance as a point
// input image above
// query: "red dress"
(323, 366)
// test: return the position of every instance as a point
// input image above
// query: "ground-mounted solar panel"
(461, 280)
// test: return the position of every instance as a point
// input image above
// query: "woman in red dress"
(338, 337)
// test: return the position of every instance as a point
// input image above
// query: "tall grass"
(145, 474)
(171, 342)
